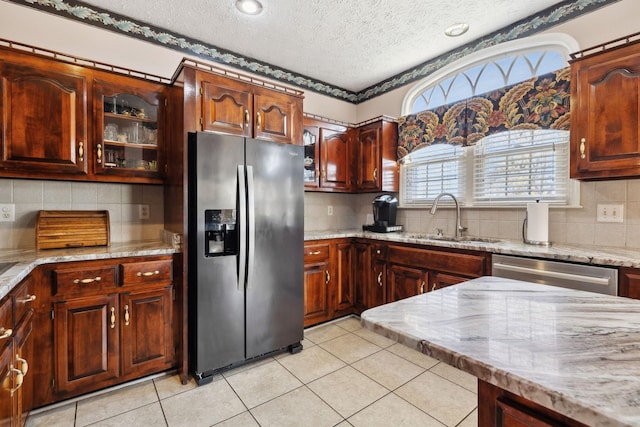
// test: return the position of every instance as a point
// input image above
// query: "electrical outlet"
(330, 210)
(7, 212)
(610, 213)
(143, 211)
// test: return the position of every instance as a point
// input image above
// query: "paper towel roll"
(537, 223)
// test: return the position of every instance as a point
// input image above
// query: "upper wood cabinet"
(605, 114)
(64, 121)
(375, 156)
(239, 108)
(347, 159)
(43, 115)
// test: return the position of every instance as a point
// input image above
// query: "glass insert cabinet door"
(128, 137)
(311, 148)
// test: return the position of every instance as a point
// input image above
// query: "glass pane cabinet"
(128, 138)
(311, 169)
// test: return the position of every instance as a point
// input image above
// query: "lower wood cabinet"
(103, 323)
(406, 282)
(316, 283)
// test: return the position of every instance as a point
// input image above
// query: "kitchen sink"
(469, 239)
(4, 266)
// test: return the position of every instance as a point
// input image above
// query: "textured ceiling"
(350, 44)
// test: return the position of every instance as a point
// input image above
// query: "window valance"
(538, 103)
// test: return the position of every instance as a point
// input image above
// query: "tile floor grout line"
(164, 415)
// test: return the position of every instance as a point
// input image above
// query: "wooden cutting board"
(72, 229)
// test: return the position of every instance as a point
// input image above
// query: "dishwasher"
(603, 280)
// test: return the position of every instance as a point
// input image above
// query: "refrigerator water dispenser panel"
(220, 232)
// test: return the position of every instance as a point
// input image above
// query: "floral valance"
(538, 103)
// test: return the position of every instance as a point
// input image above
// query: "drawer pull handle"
(19, 379)
(81, 151)
(126, 315)
(314, 253)
(99, 153)
(27, 299)
(246, 118)
(259, 121)
(375, 174)
(88, 280)
(327, 277)
(582, 148)
(147, 273)
(113, 317)
(24, 365)
(5, 333)
(380, 279)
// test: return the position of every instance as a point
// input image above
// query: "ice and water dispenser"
(220, 232)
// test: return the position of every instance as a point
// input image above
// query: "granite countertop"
(575, 352)
(25, 260)
(598, 255)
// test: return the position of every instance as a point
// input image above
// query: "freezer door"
(216, 299)
(274, 294)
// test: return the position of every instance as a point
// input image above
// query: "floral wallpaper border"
(79, 11)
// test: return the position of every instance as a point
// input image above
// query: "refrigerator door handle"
(242, 220)
(251, 222)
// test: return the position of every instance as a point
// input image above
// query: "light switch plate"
(7, 212)
(610, 213)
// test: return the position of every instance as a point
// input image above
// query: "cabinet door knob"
(81, 151)
(113, 318)
(26, 299)
(24, 365)
(19, 379)
(126, 315)
(99, 160)
(378, 252)
(5, 333)
(582, 148)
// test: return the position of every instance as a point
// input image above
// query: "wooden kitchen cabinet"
(317, 277)
(629, 282)
(8, 397)
(375, 156)
(361, 275)
(405, 282)
(43, 118)
(605, 113)
(343, 285)
(328, 156)
(377, 286)
(128, 131)
(236, 107)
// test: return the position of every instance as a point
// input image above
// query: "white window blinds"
(521, 166)
(430, 171)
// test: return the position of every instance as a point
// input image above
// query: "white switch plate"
(330, 210)
(143, 211)
(610, 213)
(7, 212)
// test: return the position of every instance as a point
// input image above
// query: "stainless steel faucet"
(434, 208)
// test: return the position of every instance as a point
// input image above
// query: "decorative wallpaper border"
(104, 19)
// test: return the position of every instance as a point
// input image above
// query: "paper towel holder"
(524, 234)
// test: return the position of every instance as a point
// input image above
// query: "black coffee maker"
(385, 207)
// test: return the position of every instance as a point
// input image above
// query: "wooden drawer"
(6, 319)
(316, 252)
(24, 298)
(379, 251)
(134, 273)
(450, 262)
(84, 279)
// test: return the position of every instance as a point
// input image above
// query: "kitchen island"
(575, 353)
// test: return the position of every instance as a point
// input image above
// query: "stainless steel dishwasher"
(582, 277)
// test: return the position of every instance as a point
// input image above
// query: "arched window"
(509, 163)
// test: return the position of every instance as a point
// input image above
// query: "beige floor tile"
(347, 390)
(457, 376)
(320, 334)
(392, 411)
(299, 407)
(470, 421)
(371, 336)
(350, 348)
(170, 385)
(63, 416)
(413, 356)
(245, 419)
(247, 366)
(117, 402)
(150, 415)
(388, 369)
(311, 364)
(263, 383)
(203, 406)
(443, 400)
(344, 424)
(350, 323)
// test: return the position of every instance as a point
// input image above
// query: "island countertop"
(576, 353)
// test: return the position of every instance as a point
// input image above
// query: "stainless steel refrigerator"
(246, 243)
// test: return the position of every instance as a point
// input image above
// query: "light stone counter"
(584, 254)
(26, 260)
(577, 353)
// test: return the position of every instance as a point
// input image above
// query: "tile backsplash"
(121, 200)
(575, 226)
